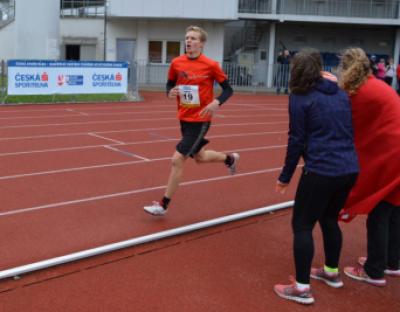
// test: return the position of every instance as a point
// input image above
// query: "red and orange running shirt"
(195, 79)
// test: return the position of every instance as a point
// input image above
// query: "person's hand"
(174, 92)
(210, 109)
(281, 187)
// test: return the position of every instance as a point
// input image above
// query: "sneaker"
(359, 274)
(232, 167)
(291, 292)
(331, 279)
(155, 209)
(395, 273)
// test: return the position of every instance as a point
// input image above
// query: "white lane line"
(139, 130)
(104, 138)
(132, 192)
(125, 163)
(116, 121)
(124, 113)
(125, 152)
(137, 143)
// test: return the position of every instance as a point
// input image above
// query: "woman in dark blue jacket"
(320, 131)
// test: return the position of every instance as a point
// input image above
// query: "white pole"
(14, 272)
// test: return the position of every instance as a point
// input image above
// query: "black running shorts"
(193, 140)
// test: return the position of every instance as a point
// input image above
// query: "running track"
(75, 177)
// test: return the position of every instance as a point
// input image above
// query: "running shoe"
(395, 273)
(331, 279)
(233, 167)
(155, 209)
(359, 274)
(291, 292)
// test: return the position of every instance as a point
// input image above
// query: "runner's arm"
(227, 92)
(170, 85)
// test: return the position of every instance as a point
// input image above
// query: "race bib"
(189, 95)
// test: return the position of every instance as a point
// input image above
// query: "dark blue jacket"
(321, 132)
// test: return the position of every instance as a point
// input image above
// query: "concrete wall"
(187, 9)
(333, 38)
(144, 31)
(87, 32)
(7, 35)
(37, 29)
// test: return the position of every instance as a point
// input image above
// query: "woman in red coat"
(376, 122)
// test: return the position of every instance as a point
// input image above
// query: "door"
(126, 50)
(126, 53)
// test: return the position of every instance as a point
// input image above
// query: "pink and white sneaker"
(331, 279)
(291, 292)
(359, 274)
(388, 272)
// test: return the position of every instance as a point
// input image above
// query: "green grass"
(57, 98)
(64, 98)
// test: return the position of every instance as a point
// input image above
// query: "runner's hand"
(174, 92)
(281, 187)
(210, 109)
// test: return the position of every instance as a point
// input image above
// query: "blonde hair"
(354, 69)
(201, 31)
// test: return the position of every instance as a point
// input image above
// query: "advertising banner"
(66, 77)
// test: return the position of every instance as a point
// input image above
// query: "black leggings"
(318, 198)
(383, 239)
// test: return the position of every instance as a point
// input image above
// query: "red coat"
(376, 121)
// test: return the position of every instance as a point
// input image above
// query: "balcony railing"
(82, 8)
(340, 8)
(255, 6)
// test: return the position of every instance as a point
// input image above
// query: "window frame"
(164, 50)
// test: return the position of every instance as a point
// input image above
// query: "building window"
(162, 52)
(173, 50)
(155, 51)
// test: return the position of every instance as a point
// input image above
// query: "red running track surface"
(76, 176)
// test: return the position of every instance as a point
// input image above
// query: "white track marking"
(132, 192)
(137, 130)
(136, 143)
(127, 113)
(116, 121)
(126, 153)
(125, 163)
(104, 138)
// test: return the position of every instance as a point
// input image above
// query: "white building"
(247, 33)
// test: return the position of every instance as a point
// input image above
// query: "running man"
(191, 79)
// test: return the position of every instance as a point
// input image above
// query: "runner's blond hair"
(201, 31)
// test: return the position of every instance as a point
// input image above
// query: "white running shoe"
(232, 168)
(155, 209)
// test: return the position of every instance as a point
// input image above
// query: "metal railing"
(82, 8)
(251, 77)
(340, 8)
(3, 81)
(255, 6)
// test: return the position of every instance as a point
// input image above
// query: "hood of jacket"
(327, 86)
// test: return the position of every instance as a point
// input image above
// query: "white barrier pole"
(15, 272)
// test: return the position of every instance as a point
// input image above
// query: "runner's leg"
(175, 176)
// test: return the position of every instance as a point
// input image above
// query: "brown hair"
(354, 69)
(306, 70)
(201, 31)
